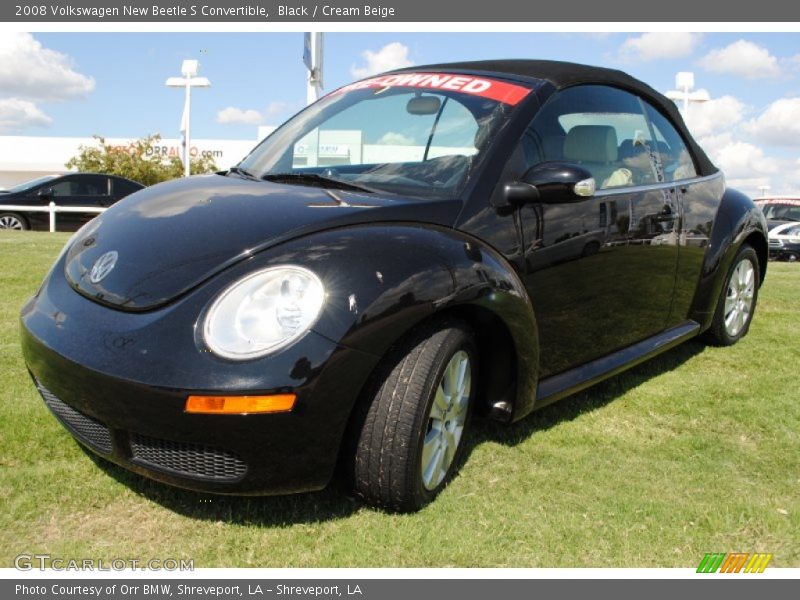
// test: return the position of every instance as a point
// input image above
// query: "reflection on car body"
(92, 190)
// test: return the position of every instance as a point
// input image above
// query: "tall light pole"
(188, 81)
(312, 58)
(684, 81)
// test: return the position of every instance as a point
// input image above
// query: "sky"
(82, 84)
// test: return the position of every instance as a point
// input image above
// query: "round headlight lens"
(263, 312)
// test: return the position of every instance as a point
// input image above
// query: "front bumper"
(783, 250)
(119, 381)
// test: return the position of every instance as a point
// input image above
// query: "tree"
(137, 161)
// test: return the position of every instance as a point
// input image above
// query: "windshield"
(416, 134)
(782, 212)
(21, 187)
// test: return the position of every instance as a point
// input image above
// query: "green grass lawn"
(696, 451)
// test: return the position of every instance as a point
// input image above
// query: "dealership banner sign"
(398, 11)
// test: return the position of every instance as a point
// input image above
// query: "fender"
(375, 297)
(737, 219)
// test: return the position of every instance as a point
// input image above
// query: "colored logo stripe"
(711, 562)
(758, 563)
(734, 562)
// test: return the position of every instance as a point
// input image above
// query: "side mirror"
(46, 193)
(552, 183)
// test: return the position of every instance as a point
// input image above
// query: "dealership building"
(23, 158)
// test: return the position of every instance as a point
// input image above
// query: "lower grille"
(183, 458)
(84, 428)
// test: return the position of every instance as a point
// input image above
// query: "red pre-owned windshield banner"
(507, 93)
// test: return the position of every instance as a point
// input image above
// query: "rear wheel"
(737, 301)
(411, 440)
(13, 221)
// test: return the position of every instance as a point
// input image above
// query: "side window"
(64, 188)
(675, 157)
(91, 186)
(123, 188)
(601, 128)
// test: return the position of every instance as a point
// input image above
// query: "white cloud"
(792, 178)
(791, 63)
(779, 124)
(392, 138)
(250, 116)
(659, 45)
(278, 107)
(747, 168)
(742, 160)
(749, 185)
(391, 56)
(742, 58)
(239, 116)
(714, 117)
(714, 143)
(16, 114)
(30, 71)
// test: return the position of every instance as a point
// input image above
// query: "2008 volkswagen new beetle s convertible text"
(413, 248)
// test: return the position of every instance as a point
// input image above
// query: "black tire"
(10, 221)
(387, 469)
(719, 334)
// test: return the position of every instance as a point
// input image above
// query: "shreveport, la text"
(42, 562)
(167, 589)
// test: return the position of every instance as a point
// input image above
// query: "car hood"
(160, 242)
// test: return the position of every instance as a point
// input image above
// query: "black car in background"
(414, 248)
(74, 189)
(783, 223)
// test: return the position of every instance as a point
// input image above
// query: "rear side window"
(121, 187)
(601, 128)
(675, 158)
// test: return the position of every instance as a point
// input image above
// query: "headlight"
(263, 312)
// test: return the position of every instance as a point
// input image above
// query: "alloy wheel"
(446, 420)
(739, 299)
(11, 222)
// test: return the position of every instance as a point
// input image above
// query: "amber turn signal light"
(239, 405)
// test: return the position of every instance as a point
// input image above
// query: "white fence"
(52, 208)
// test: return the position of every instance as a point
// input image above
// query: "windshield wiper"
(242, 172)
(314, 179)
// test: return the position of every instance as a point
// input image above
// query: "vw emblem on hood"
(103, 266)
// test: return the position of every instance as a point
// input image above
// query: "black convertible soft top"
(565, 74)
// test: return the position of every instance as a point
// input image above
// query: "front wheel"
(13, 221)
(411, 440)
(737, 301)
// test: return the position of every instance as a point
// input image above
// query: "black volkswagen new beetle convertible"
(482, 237)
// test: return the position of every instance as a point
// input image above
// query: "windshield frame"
(269, 157)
